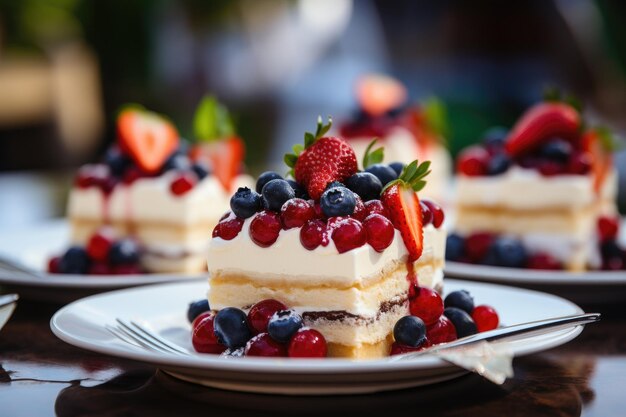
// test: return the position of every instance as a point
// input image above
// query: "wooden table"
(40, 375)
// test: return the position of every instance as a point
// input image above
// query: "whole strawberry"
(321, 161)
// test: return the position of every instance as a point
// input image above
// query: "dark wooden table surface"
(40, 375)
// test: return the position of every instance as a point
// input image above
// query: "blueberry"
(462, 321)
(284, 324)
(410, 331)
(275, 193)
(498, 164)
(245, 202)
(196, 308)
(334, 184)
(610, 249)
(384, 173)
(264, 178)
(366, 185)
(231, 327)
(460, 299)
(508, 252)
(337, 201)
(124, 252)
(177, 161)
(397, 167)
(116, 160)
(455, 247)
(494, 138)
(299, 190)
(74, 261)
(201, 169)
(557, 150)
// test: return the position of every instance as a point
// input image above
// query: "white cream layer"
(287, 258)
(150, 200)
(527, 189)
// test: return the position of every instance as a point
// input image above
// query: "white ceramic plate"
(163, 308)
(33, 246)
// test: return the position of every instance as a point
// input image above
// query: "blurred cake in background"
(161, 191)
(540, 196)
(406, 131)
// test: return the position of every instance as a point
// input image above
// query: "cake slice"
(533, 197)
(408, 132)
(152, 186)
(347, 266)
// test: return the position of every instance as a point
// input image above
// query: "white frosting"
(563, 247)
(527, 189)
(287, 257)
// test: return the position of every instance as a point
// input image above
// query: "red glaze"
(307, 343)
(472, 161)
(99, 244)
(485, 317)
(229, 227)
(551, 168)
(348, 234)
(442, 331)
(379, 230)
(426, 304)
(477, 245)
(127, 269)
(203, 337)
(183, 183)
(99, 268)
(608, 228)
(375, 206)
(260, 314)
(295, 213)
(437, 212)
(264, 228)
(313, 234)
(263, 345)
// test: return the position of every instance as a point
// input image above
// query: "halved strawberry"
(377, 94)
(321, 161)
(601, 157)
(540, 122)
(225, 156)
(400, 198)
(147, 137)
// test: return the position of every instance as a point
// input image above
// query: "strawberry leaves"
(212, 122)
(412, 175)
(321, 129)
(373, 157)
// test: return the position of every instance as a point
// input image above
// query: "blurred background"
(67, 65)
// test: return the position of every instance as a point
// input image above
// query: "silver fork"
(140, 336)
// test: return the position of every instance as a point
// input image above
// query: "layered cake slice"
(346, 259)
(534, 196)
(408, 132)
(152, 186)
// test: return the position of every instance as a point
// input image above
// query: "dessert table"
(41, 375)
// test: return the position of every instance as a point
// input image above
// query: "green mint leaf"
(211, 121)
(436, 116)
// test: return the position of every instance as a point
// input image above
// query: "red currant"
(263, 345)
(264, 228)
(477, 245)
(379, 230)
(579, 163)
(399, 348)
(376, 207)
(53, 265)
(99, 268)
(92, 175)
(260, 314)
(203, 337)
(348, 234)
(99, 244)
(442, 331)
(296, 212)
(307, 343)
(542, 260)
(313, 234)
(183, 183)
(473, 161)
(228, 228)
(437, 212)
(131, 175)
(201, 317)
(359, 209)
(427, 215)
(608, 228)
(127, 269)
(426, 304)
(485, 317)
(551, 168)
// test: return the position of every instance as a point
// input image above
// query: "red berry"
(613, 264)
(260, 314)
(551, 168)
(128, 269)
(263, 345)
(379, 230)
(437, 212)
(313, 234)
(542, 260)
(99, 268)
(375, 207)
(92, 175)
(264, 228)
(229, 227)
(359, 209)
(203, 337)
(307, 343)
(183, 183)
(319, 214)
(426, 304)
(348, 234)
(399, 348)
(580, 163)
(427, 215)
(295, 213)
(608, 228)
(477, 245)
(53, 265)
(442, 331)
(473, 161)
(201, 317)
(485, 317)
(131, 175)
(99, 244)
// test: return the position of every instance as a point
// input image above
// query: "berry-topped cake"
(343, 249)
(160, 190)
(408, 132)
(538, 196)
